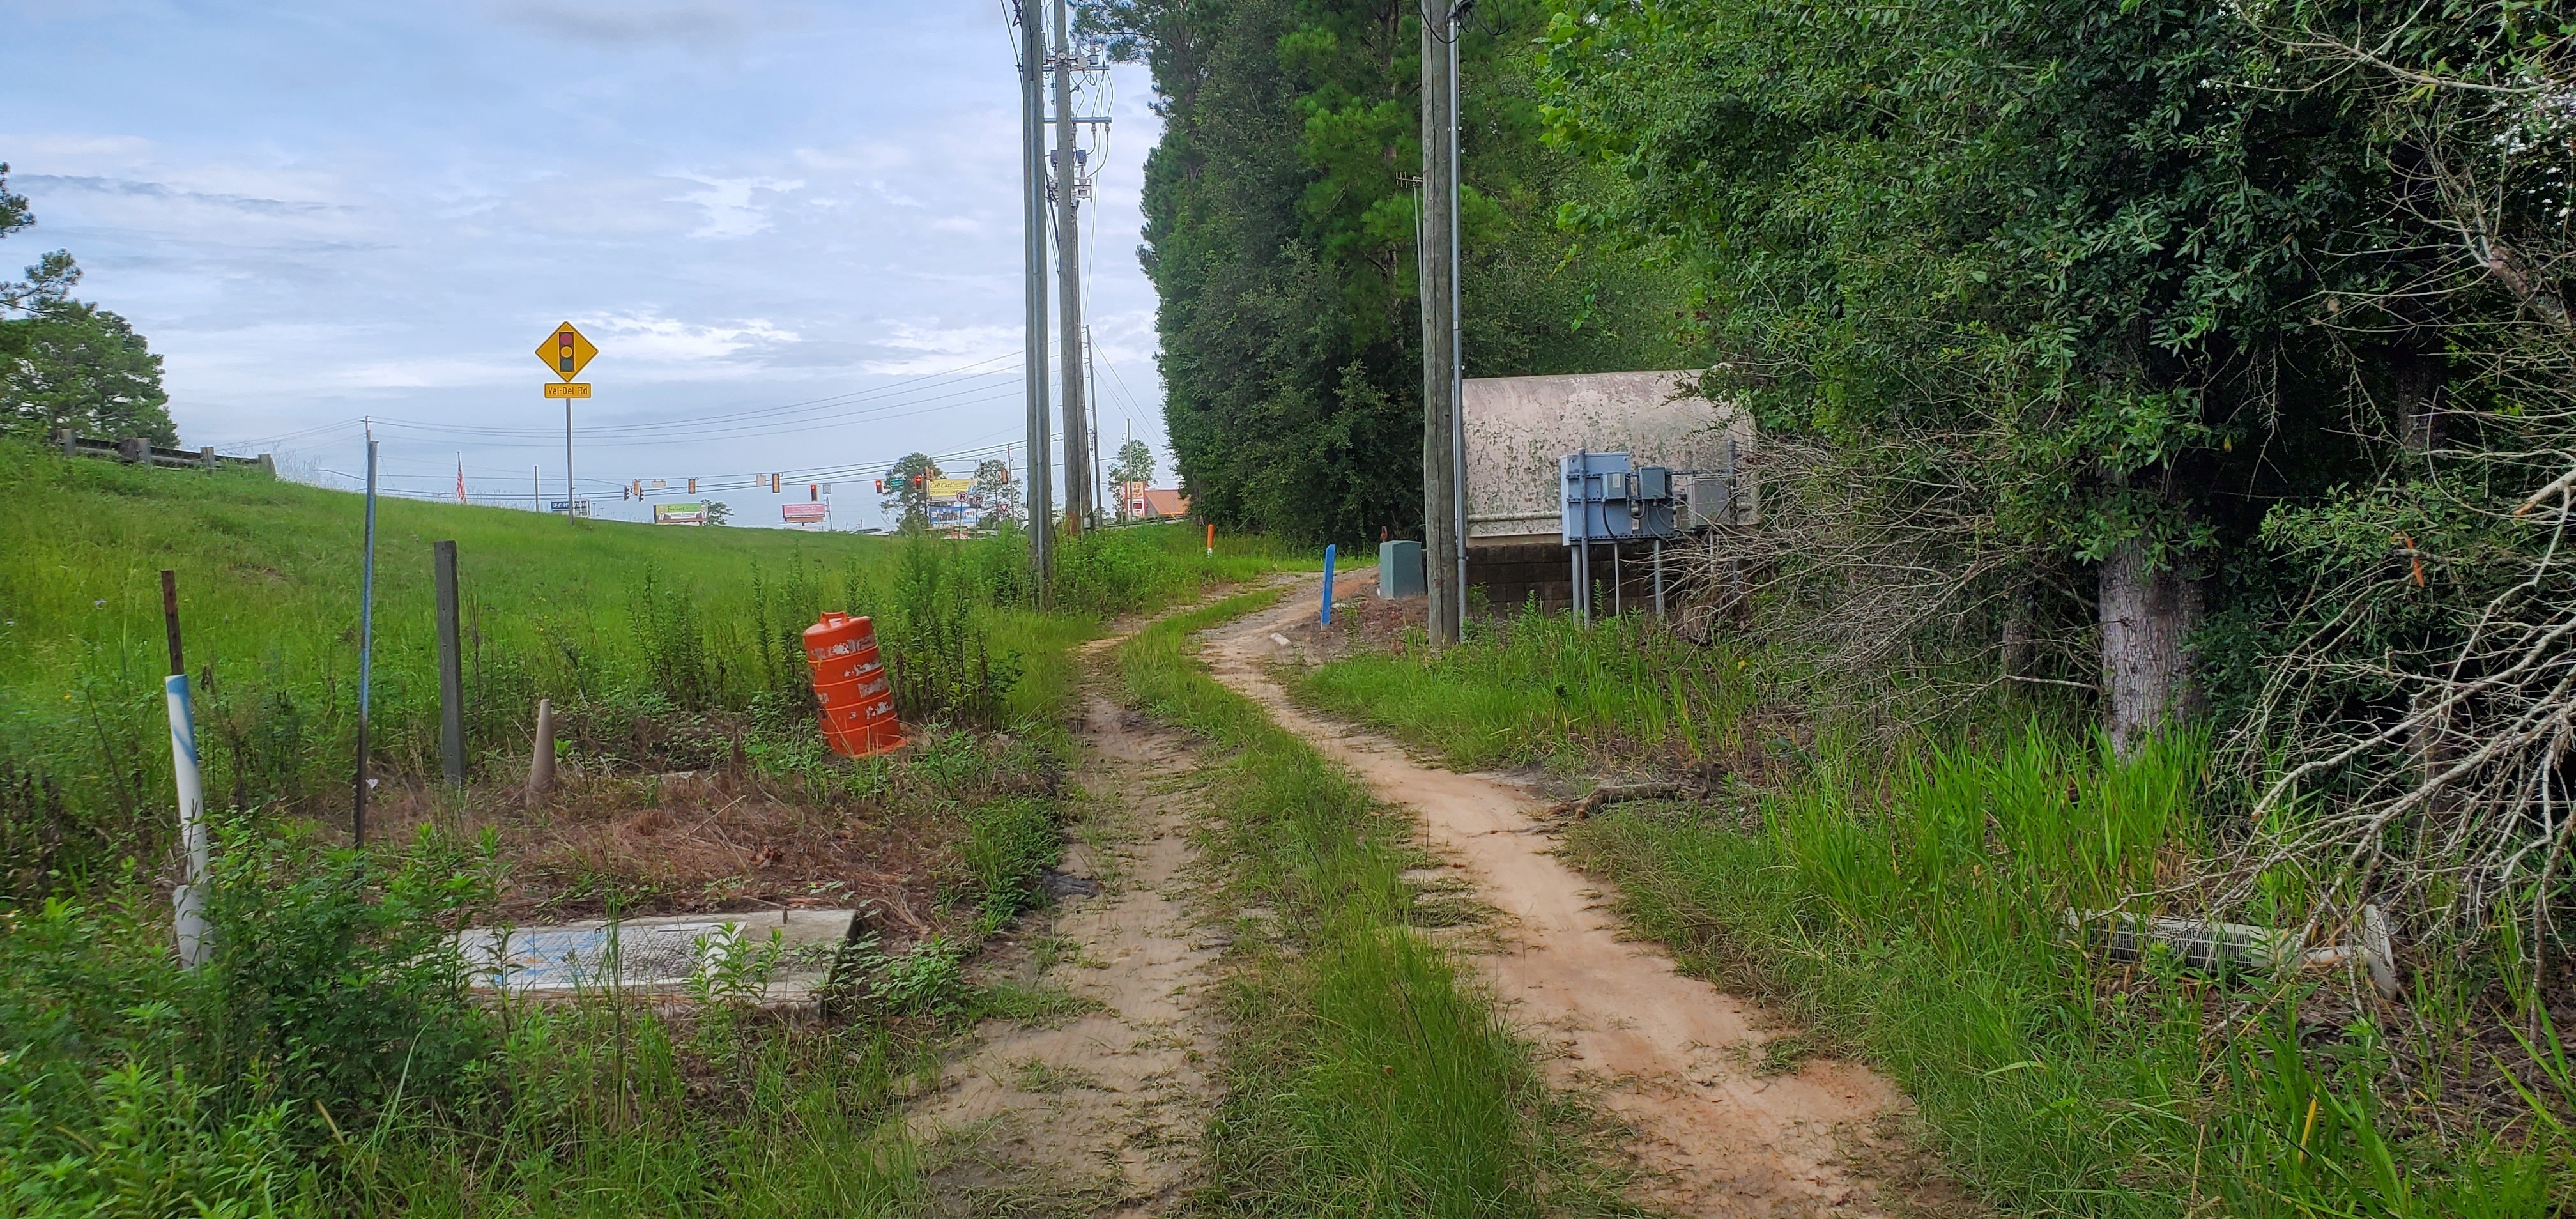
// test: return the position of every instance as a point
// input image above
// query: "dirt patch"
(1729, 1118)
(1100, 1113)
(728, 840)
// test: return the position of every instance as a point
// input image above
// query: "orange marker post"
(1211, 545)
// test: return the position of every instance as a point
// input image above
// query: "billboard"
(680, 514)
(804, 514)
(948, 488)
(580, 507)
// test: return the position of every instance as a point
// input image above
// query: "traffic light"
(880, 486)
(693, 486)
(773, 484)
(813, 493)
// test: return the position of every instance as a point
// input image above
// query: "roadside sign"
(803, 514)
(566, 352)
(580, 507)
(568, 389)
(680, 514)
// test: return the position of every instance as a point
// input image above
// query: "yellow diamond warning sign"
(566, 351)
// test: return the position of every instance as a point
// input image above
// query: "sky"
(793, 230)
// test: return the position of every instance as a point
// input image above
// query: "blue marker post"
(1328, 585)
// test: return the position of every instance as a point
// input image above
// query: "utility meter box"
(1399, 569)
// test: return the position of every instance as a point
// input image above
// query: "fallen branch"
(1622, 793)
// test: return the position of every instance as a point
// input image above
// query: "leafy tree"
(1135, 464)
(907, 490)
(2058, 258)
(999, 490)
(719, 512)
(67, 363)
(1280, 221)
(70, 364)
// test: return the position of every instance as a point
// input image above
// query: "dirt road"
(1098, 1113)
(1680, 1061)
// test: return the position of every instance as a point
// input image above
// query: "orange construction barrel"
(851, 686)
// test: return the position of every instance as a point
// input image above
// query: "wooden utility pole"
(1033, 359)
(1443, 548)
(451, 666)
(1068, 266)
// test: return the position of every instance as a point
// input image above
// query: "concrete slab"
(654, 956)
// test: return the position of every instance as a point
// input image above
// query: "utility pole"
(1091, 397)
(1444, 549)
(1068, 262)
(1033, 359)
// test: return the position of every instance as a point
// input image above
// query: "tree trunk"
(2417, 384)
(2147, 619)
(2020, 644)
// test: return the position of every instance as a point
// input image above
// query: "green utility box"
(1399, 569)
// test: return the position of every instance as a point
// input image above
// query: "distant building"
(1153, 504)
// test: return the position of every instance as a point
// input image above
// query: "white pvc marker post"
(188, 901)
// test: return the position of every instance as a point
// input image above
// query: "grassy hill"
(613, 620)
(326, 1060)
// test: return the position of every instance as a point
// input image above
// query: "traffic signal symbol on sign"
(566, 352)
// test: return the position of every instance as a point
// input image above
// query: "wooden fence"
(140, 450)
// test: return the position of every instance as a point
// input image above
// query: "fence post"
(451, 668)
(69, 441)
(1328, 584)
(206, 457)
(188, 901)
(134, 449)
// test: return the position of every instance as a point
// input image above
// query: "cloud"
(654, 339)
(730, 209)
(928, 349)
(688, 24)
(168, 194)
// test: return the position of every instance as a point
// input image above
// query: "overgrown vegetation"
(1279, 232)
(1366, 1075)
(1908, 897)
(330, 1059)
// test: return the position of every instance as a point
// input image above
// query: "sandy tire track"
(1669, 1054)
(1100, 1113)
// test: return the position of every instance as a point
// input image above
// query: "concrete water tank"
(1399, 569)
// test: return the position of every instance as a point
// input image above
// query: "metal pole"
(568, 495)
(188, 901)
(1033, 359)
(1457, 348)
(1441, 543)
(1090, 401)
(1659, 579)
(1068, 266)
(451, 667)
(366, 651)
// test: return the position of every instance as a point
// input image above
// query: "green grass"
(327, 1062)
(1909, 906)
(1366, 1074)
(1537, 687)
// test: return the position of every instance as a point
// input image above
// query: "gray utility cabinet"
(1399, 569)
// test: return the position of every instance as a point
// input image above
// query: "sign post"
(566, 352)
